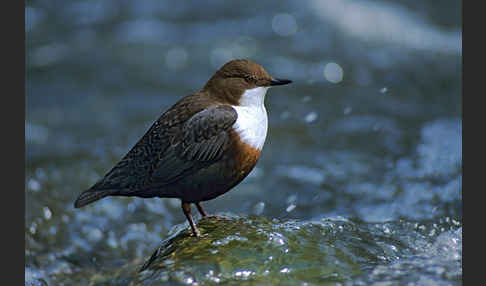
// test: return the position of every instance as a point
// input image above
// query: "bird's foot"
(195, 233)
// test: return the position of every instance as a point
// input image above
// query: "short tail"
(90, 196)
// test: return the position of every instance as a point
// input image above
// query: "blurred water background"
(360, 177)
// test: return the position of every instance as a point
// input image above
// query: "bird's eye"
(248, 78)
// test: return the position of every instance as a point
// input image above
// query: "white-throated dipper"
(201, 147)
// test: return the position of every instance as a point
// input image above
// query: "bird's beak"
(278, 81)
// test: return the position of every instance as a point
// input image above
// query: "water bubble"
(176, 58)
(311, 117)
(40, 174)
(93, 234)
(112, 242)
(214, 279)
(52, 230)
(259, 207)
(276, 239)
(333, 72)
(189, 280)
(229, 239)
(347, 110)
(284, 24)
(383, 90)
(47, 213)
(290, 208)
(33, 185)
(243, 273)
(33, 228)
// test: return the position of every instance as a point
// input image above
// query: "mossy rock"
(254, 251)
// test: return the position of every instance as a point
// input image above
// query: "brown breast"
(220, 177)
(244, 157)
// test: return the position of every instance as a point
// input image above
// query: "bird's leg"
(201, 211)
(186, 208)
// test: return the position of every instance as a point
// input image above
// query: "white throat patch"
(252, 122)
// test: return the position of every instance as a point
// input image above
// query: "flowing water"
(360, 180)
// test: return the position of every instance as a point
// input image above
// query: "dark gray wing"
(134, 169)
(200, 141)
(184, 139)
(131, 171)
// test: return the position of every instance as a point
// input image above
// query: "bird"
(201, 147)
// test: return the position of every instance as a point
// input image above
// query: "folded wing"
(201, 141)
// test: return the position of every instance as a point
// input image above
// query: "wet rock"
(266, 252)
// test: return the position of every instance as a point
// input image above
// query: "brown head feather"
(233, 78)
